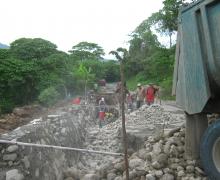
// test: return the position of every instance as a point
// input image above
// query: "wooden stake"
(125, 142)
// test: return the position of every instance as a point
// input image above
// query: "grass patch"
(132, 83)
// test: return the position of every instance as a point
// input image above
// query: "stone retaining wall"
(25, 163)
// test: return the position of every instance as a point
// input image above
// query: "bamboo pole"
(59, 147)
(125, 142)
(88, 105)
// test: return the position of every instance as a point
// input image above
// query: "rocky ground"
(18, 117)
(156, 148)
(156, 137)
(23, 115)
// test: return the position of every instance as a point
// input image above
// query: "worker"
(139, 95)
(76, 101)
(150, 94)
(129, 102)
(102, 110)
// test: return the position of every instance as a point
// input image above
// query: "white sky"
(68, 22)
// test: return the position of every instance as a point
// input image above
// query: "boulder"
(72, 172)
(167, 177)
(120, 166)
(156, 165)
(90, 177)
(158, 173)
(150, 177)
(10, 157)
(12, 148)
(26, 162)
(14, 174)
(162, 159)
(111, 176)
(133, 163)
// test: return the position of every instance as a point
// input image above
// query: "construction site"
(66, 143)
(144, 112)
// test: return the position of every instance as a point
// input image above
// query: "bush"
(166, 85)
(49, 96)
(140, 77)
(6, 106)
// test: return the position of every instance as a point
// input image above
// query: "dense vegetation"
(34, 70)
(148, 60)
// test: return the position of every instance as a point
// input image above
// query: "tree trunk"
(123, 121)
(170, 36)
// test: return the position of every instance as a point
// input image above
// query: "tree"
(18, 81)
(111, 71)
(4, 54)
(85, 50)
(28, 49)
(143, 43)
(166, 19)
(55, 71)
(83, 76)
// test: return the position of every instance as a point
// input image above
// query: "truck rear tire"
(210, 151)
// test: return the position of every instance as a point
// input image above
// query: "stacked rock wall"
(22, 162)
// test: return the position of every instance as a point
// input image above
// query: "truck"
(196, 81)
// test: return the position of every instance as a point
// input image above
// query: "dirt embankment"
(23, 115)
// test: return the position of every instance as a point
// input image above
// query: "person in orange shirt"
(150, 94)
(76, 101)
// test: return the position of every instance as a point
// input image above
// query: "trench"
(69, 126)
(74, 126)
(65, 128)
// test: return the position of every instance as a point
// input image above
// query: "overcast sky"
(68, 22)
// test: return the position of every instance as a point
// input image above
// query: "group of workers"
(146, 95)
(142, 95)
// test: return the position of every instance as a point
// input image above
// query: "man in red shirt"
(150, 94)
(76, 101)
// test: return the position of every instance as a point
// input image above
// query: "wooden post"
(125, 142)
(196, 124)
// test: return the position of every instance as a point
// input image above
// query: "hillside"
(3, 46)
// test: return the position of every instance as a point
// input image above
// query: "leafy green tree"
(4, 54)
(33, 69)
(27, 48)
(143, 43)
(86, 50)
(111, 71)
(166, 19)
(83, 77)
(96, 67)
(49, 96)
(18, 80)
(55, 71)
